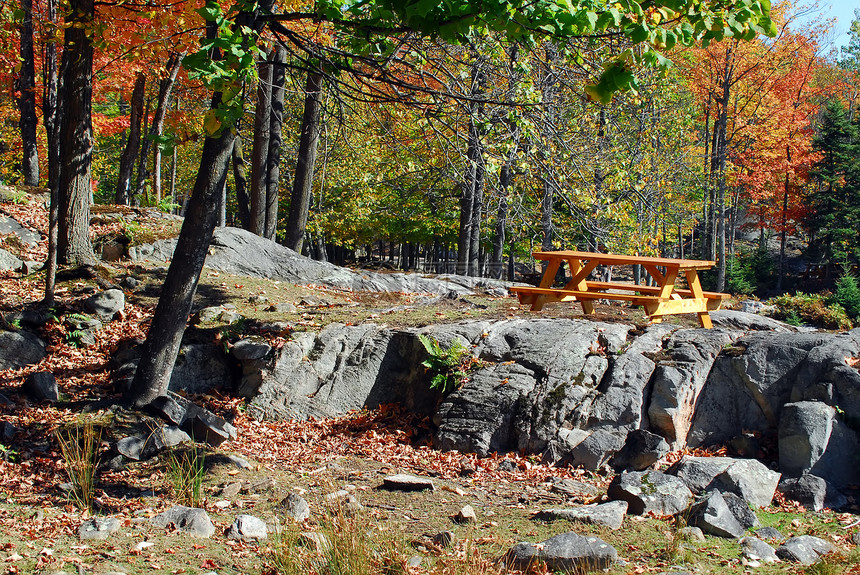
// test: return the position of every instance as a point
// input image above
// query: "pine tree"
(835, 200)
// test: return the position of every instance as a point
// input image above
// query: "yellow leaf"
(211, 123)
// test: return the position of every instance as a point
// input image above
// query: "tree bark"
(168, 324)
(51, 118)
(300, 199)
(240, 180)
(132, 146)
(260, 149)
(165, 87)
(273, 162)
(73, 241)
(27, 101)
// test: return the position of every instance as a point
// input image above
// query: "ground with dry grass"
(313, 458)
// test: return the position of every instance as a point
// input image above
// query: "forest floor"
(313, 458)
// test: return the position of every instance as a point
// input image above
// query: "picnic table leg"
(696, 288)
(578, 281)
(546, 282)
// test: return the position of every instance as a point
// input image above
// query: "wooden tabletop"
(617, 259)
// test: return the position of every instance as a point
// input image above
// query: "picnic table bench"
(664, 298)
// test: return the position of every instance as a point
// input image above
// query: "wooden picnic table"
(663, 299)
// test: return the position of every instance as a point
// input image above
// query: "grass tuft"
(79, 447)
(185, 471)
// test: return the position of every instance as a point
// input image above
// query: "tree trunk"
(260, 149)
(165, 87)
(273, 162)
(27, 101)
(51, 113)
(73, 240)
(132, 146)
(300, 199)
(241, 182)
(720, 146)
(477, 205)
(142, 169)
(471, 199)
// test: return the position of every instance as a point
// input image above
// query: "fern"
(448, 367)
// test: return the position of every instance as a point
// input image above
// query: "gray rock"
(200, 368)
(42, 385)
(209, 428)
(741, 510)
(769, 533)
(713, 516)
(593, 448)
(106, 304)
(650, 492)
(405, 482)
(129, 282)
(247, 528)
(207, 315)
(755, 549)
(195, 522)
(574, 489)
(82, 322)
(20, 348)
(678, 382)
(98, 528)
(855, 538)
(813, 492)
(250, 349)
(296, 507)
(752, 306)
(140, 447)
(466, 515)
(606, 514)
(749, 479)
(231, 490)
(8, 262)
(641, 450)
(507, 465)
(11, 226)
(691, 533)
(749, 383)
(567, 552)
(804, 549)
(282, 308)
(747, 321)
(804, 431)
(239, 252)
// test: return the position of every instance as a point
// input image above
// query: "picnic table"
(664, 298)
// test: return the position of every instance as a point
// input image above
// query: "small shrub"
(185, 470)
(447, 366)
(79, 448)
(749, 270)
(847, 295)
(810, 309)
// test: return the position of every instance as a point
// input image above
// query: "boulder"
(713, 516)
(747, 321)
(804, 549)
(641, 450)
(19, 348)
(749, 383)
(567, 552)
(239, 252)
(106, 304)
(813, 492)
(741, 510)
(296, 507)
(42, 385)
(650, 492)
(678, 380)
(8, 262)
(405, 482)
(200, 424)
(11, 226)
(812, 439)
(573, 489)
(98, 528)
(755, 549)
(748, 478)
(195, 522)
(609, 514)
(200, 368)
(247, 528)
(593, 449)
